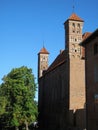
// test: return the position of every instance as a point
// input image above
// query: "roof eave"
(90, 37)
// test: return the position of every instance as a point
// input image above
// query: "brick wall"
(91, 86)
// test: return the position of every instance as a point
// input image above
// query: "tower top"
(75, 17)
(43, 51)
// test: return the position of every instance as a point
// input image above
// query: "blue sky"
(26, 24)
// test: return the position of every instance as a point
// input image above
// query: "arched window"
(73, 24)
(78, 25)
(73, 29)
(95, 48)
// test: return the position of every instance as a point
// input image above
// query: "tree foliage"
(17, 92)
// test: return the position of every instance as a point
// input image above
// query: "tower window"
(75, 50)
(73, 27)
(73, 24)
(75, 39)
(73, 31)
(44, 58)
(78, 25)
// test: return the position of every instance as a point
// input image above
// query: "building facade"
(62, 86)
(91, 69)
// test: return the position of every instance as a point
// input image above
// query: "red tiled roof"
(60, 59)
(43, 51)
(86, 35)
(75, 17)
(90, 37)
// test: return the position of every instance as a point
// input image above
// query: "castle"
(62, 97)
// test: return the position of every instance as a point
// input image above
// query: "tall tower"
(42, 61)
(73, 34)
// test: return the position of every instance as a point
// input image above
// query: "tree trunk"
(26, 123)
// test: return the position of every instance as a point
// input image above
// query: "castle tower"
(73, 35)
(76, 67)
(42, 61)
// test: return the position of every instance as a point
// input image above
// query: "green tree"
(17, 92)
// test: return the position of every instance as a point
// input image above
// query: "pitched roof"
(43, 51)
(90, 37)
(75, 18)
(60, 59)
(86, 35)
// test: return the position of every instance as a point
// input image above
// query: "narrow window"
(78, 25)
(75, 50)
(75, 40)
(73, 24)
(73, 31)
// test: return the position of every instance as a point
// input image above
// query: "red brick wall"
(91, 86)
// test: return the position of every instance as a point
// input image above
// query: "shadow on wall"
(77, 119)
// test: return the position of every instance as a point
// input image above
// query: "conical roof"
(43, 51)
(75, 17)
